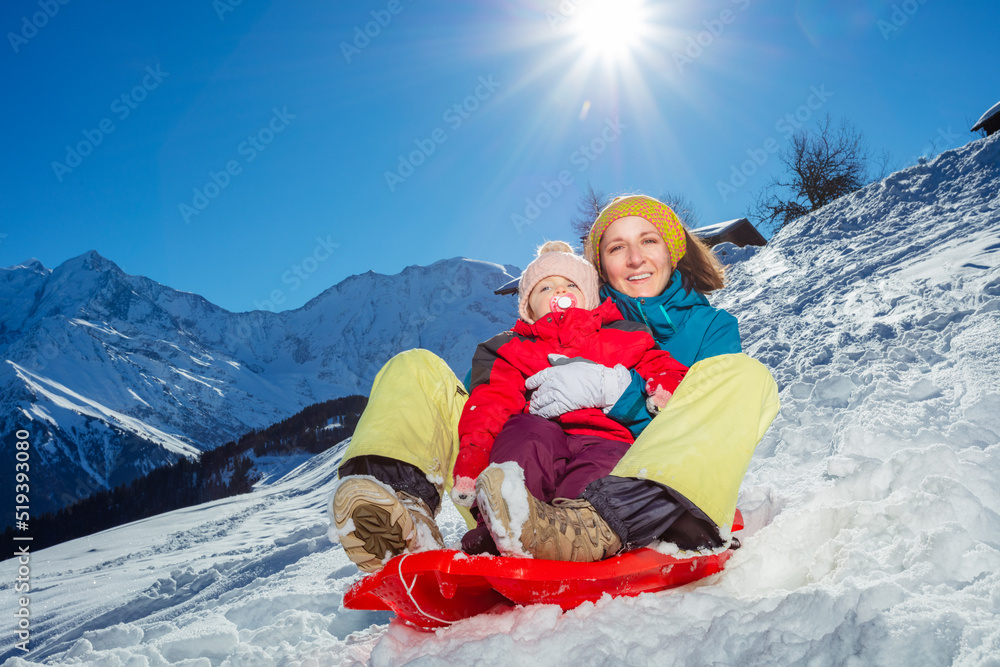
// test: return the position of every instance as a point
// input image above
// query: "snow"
(872, 505)
(717, 228)
(103, 329)
(272, 468)
(730, 253)
(514, 494)
(66, 399)
(138, 398)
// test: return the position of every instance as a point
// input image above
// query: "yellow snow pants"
(700, 445)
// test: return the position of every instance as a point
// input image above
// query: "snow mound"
(730, 253)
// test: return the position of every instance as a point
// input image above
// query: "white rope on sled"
(409, 591)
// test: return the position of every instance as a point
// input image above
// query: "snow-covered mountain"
(116, 374)
(872, 504)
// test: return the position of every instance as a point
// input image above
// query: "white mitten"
(572, 383)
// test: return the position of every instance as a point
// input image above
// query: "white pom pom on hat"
(556, 258)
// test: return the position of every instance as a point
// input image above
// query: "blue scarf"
(681, 320)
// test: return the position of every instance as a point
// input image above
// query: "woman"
(679, 480)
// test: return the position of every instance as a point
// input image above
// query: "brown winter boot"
(384, 524)
(567, 530)
(427, 535)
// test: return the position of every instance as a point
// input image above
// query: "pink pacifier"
(562, 302)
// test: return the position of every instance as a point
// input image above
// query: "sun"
(609, 29)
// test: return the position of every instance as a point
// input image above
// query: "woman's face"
(635, 258)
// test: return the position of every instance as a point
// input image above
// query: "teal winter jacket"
(683, 324)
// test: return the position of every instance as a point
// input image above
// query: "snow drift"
(873, 503)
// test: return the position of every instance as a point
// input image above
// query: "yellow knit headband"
(656, 212)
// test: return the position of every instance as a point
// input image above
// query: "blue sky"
(258, 153)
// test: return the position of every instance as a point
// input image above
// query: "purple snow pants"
(555, 464)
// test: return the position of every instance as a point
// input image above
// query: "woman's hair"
(699, 264)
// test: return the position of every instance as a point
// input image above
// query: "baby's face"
(540, 299)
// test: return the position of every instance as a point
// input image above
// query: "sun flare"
(609, 29)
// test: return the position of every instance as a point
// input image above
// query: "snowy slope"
(873, 503)
(118, 374)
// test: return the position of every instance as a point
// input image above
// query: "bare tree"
(684, 209)
(821, 166)
(587, 210)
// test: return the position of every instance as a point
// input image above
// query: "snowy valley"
(117, 374)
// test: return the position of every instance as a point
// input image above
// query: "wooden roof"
(739, 232)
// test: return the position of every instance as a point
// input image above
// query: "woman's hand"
(573, 383)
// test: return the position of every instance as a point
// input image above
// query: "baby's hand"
(464, 491)
(658, 396)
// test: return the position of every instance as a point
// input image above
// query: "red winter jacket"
(501, 365)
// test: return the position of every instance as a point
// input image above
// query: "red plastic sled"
(432, 589)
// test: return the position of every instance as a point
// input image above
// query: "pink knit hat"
(556, 258)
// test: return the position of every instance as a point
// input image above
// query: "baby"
(560, 316)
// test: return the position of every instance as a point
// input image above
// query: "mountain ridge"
(120, 373)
